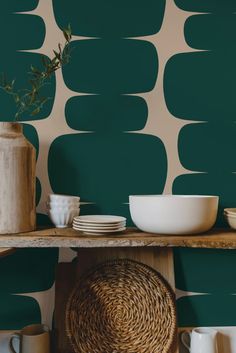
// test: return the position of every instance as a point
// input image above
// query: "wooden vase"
(17, 180)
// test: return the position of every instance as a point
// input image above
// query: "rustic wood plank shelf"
(153, 250)
(53, 237)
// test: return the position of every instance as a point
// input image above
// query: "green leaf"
(16, 98)
(35, 70)
(8, 87)
(27, 100)
(66, 35)
(69, 31)
(57, 55)
(35, 111)
(44, 60)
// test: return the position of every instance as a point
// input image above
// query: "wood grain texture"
(68, 237)
(65, 280)
(17, 180)
(159, 259)
(6, 251)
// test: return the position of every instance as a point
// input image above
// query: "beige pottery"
(17, 180)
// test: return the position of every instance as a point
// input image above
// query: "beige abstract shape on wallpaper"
(55, 125)
(168, 42)
(45, 300)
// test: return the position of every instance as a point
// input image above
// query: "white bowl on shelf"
(62, 219)
(62, 204)
(231, 220)
(63, 208)
(230, 211)
(174, 214)
(63, 199)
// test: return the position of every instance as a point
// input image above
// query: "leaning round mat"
(121, 306)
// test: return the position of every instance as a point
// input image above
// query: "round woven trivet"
(121, 306)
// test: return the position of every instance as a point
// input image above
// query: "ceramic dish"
(233, 215)
(231, 211)
(231, 221)
(100, 225)
(98, 230)
(62, 219)
(174, 214)
(63, 208)
(59, 197)
(100, 219)
(98, 234)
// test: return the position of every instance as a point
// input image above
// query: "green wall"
(107, 156)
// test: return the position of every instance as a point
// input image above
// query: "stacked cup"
(62, 209)
(230, 215)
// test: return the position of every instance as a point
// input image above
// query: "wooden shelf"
(53, 237)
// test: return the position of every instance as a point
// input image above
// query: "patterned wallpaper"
(146, 105)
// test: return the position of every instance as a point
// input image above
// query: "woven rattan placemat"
(121, 306)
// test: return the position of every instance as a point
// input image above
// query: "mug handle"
(183, 337)
(14, 335)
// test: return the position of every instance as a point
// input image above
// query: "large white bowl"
(174, 214)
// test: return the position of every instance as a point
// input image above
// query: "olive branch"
(30, 99)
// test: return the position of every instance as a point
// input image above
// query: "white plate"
(91, 233)
(98, 231)
(100, 219)
(99, 226)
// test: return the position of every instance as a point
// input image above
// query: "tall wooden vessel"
(17, 180)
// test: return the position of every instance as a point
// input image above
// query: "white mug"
(202, 340)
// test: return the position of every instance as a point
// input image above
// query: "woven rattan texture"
(121, 307)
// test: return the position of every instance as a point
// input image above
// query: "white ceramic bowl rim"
(69, 203)
(227, 215)
(61, 196)
(177, 196)
(63, 211)
(174, 214)
(230, 210)
(63, 207)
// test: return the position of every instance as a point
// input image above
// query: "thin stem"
(30, 100)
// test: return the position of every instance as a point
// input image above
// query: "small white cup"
(202, 340)
(63, 208)
(63, 198)
(63, 219)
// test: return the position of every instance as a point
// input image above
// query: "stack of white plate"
(100, 224)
